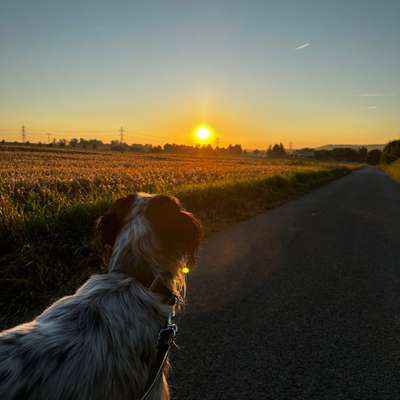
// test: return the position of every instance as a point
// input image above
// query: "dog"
(101, 342)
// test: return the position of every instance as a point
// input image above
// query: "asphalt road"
(302, 302)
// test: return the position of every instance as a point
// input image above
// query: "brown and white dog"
(101, 342)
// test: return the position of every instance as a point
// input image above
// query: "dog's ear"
(178, 230)
(107, 228)
(110, 224)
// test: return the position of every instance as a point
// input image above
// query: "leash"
(166, 337)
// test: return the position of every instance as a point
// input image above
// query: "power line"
(76, 132)
(23, 134)
(94, 133)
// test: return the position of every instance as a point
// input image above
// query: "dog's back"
(101, 343)
(96, 344)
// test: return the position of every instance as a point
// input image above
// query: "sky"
(257, 72)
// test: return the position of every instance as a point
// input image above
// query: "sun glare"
(203, 133)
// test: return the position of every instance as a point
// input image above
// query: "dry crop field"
(35, 179)
(37, 184)
(50, 199)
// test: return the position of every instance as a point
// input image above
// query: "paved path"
(302, 302)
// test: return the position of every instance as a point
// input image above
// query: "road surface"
(302, 302)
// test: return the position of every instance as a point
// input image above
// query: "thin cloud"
(377, 95)
(303, 46)
(372, 107)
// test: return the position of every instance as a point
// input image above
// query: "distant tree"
(156, 149)
(116, 145)
(276, 151)
(391, 152)
(341, 154)
(198, 149)
(362, 154)
(207, 149)
(344, 154)
(62, 142)
(304, 152)
(374, 157)
(95, 143)
(73, 142)
(237, 149)
(323, 155)
(135, 147)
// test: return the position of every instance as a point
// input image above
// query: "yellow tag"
(185, 270)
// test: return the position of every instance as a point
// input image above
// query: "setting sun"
(203, 133)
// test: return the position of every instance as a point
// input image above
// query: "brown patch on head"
(178, 230)
(110, 224)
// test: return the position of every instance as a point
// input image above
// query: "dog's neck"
(167, 296)
(154, 283)
(142, 269)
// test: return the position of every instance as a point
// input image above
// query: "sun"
(203, 133)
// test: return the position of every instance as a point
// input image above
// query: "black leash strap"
(166, 338)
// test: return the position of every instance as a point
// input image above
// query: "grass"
(393, 170)
(47, 211)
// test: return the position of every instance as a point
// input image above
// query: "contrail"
(377, 94)
(303, 46)
(371, 95)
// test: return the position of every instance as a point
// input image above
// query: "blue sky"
(306, 72)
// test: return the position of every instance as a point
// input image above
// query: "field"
(49, 201)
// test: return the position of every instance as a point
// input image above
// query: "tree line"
(390, 152)
(116, 145)
(347, 154)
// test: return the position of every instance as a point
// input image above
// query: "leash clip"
(167, 335)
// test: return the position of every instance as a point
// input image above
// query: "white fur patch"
(135, 229)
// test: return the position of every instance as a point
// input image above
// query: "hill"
(369, 147)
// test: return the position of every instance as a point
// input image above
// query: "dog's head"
(149, 236)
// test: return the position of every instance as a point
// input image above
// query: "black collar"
(166, 294)
(152, 283)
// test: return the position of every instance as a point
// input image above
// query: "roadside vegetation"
(49, 202)
(393, 170)
(390, 159)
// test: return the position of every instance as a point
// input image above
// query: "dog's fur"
(100, 342)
